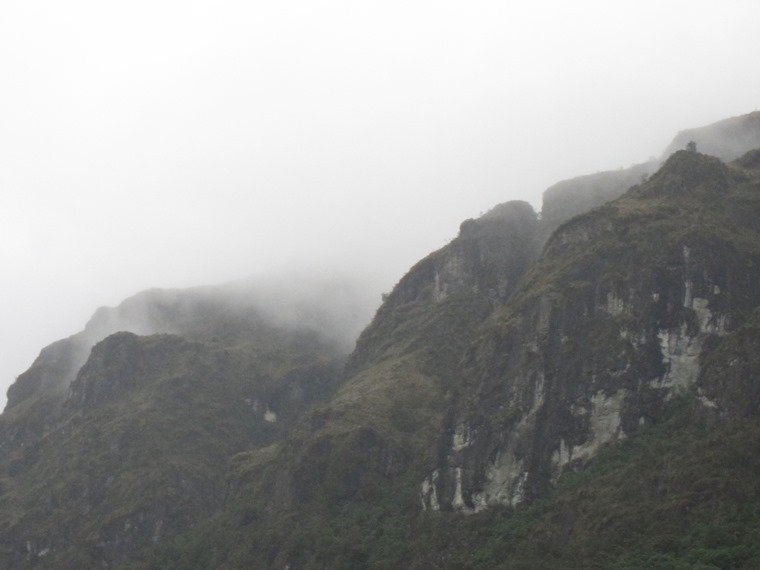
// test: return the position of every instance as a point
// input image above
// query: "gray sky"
(177, 143)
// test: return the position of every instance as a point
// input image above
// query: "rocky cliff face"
(617, 317)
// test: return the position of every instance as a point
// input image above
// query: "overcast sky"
(177, 143)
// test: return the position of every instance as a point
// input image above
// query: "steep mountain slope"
(491, 383)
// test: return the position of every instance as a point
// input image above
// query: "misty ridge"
(304, 308)
(336, 308)
(727, 140)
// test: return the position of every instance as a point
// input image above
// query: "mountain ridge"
(499, 368)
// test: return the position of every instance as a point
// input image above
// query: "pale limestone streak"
(429, 493)
(681, 351)
(604, 423)
(462, 437)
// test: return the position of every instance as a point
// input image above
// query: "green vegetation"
(680, 494)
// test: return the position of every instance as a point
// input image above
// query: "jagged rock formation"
(222, 436)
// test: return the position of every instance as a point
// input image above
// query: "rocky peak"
(687, 172)
(476, 272)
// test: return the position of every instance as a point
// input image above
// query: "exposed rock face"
(614, 320)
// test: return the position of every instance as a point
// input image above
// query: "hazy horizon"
(174, 144)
